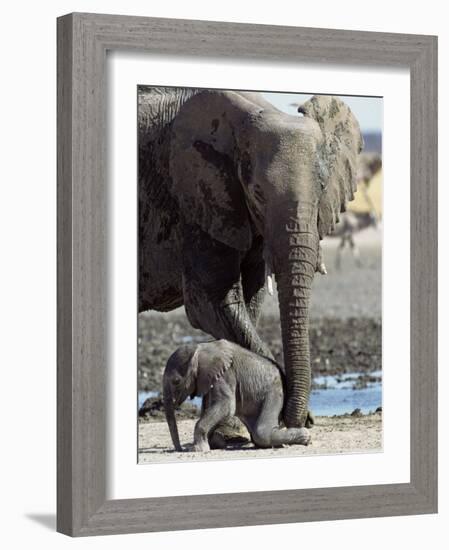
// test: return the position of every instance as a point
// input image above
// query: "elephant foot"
(229, 432)
(201, 447)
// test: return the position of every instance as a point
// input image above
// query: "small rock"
(232, 430)
(356, 412)
(153, 409)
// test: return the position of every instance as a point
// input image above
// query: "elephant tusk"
(322, 269)
(270, 284)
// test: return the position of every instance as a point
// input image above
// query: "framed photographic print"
(345, 308)
(246, 274)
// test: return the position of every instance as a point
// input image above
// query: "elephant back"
(159, 256)
(157, 107)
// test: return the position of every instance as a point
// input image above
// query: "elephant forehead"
(182, 355)
(273, 125)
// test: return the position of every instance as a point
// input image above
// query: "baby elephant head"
(192, 370)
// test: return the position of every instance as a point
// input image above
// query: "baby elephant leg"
(290, 436)
(267, 433)
(210, 417)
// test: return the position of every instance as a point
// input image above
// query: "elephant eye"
(176, 381)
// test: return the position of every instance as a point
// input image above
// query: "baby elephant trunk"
(170, 416)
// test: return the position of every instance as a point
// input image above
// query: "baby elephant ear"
(212, 360)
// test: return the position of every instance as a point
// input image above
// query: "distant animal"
(353, 222)
(233, 381)
(368, 166)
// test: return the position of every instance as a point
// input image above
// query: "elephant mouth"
(179, 400)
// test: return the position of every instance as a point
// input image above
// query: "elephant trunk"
(169, 409)
(295, 267)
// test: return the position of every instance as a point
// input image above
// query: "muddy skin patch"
(211, 155)
(167, 223)
(334, 109)
(246, 168)
(226, 169)
(156, 205)
(215, 124)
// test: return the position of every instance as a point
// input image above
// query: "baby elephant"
(233, 382)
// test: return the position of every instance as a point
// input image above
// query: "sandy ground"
(330, 435)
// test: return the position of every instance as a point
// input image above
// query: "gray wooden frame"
(83, 40)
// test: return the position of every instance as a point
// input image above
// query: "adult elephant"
(232, 190)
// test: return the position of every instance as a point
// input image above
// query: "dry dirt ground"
(330, 435)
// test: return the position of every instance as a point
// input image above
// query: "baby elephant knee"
(277, 437)
(299, 436)
(262, 437)
(291, 436)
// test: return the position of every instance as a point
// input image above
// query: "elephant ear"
(210, 362)
(337, 156)
(203, 167)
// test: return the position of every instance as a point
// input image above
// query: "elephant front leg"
(210, 418)
(237, 323)
(214, 297)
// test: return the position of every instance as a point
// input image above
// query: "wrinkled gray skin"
(232, 381)
(230, 190)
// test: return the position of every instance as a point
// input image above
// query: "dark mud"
(153, 410)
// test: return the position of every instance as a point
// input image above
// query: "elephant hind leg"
(263, 426)
(267, 433)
